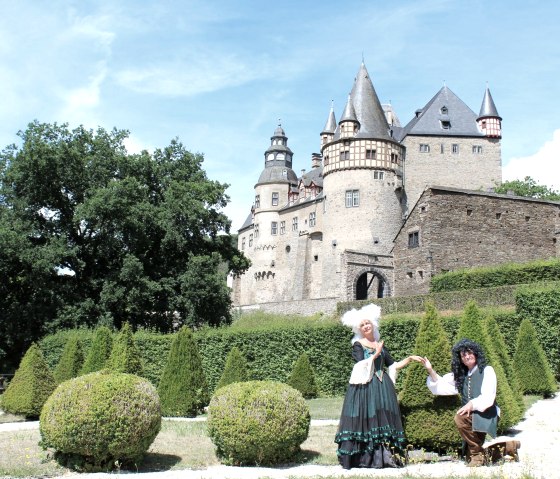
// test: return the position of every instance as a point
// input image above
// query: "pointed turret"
(489, 121)
(278, 159)
(349, 124)
(328, 132)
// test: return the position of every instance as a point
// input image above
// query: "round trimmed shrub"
(99, 420)
(257, 422)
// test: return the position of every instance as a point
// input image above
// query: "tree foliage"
(71, 361)
(528, 187)
(31, 386)
(182, 389)
(236, 369)
(428, 419)
(535, 374)
(91, 234)
(302, 378)
(125, 357)
(99, 352)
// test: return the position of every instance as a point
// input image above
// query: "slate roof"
(313, 176)
(488, 108)
(330, 126)
(429, 119)
(275, 174)
(368, 109)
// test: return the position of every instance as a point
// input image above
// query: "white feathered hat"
(354, 317)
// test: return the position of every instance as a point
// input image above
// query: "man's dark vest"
(482, 421)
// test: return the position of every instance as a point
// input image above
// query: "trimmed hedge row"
(444, 301)
(271, 352)
(492, 276)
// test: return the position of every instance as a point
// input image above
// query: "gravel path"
(539, 433)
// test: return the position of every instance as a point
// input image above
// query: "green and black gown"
(370, 432)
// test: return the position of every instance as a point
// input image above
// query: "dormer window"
(444, 110)
(445, 124)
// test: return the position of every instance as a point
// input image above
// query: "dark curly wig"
(458, 369)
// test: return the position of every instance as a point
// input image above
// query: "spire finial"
(444, 85)
(332, 104)
(279, 121)
(363, 57)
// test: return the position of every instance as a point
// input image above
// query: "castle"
(357, 225)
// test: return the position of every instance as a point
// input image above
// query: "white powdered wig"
(354, 317)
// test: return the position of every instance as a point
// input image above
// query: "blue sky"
(219, 74)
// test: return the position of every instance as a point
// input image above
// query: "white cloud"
(543, 166)
(133, 145)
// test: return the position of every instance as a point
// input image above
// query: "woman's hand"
(427, 364)
(378, 349)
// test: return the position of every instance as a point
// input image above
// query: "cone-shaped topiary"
(125, 357)
(100, 420)
(70, 362)
(257, 422)
(236, 369)
(428, 419)
(473, 327)
(99, 352)
(31, 385)
(182, 389)
(302, 378)
(501, 350)
(534, 371)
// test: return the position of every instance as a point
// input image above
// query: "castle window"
(250, 240)
(370, 154)
(256, 228)
(441, 148)
(257, 201)
(483, 124)
(409, 274)
(421, 274)
(344, 155)
(454, 148)
(284, 173)
(312, 219)
(294, 223)
(444, 110)
(243, 243)
(282, 227)
(414, 239)
(445, 125)
(378, 175)
(477, 149)
(352, 198)
(469, 212)
(424, 148)
(498, 216)
(316, 257)
(394, 158)
(274, 228)
(275, 199)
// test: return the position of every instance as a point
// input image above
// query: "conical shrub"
(534, 371)
(501, 350)
(302, 378)
(125, 357)
(70, 362)
(236, 369)
(473, 327)
(99, 352)
(428, 419)
(31, 385)
(183, 390)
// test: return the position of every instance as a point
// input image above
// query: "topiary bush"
(182, 388)
(99, 352)
(125, 357)
(257, 422)
(428, 419)
(70, 362)
(532, 368)
(302, 378)
(236, 369)
(100, 420)
(31, 385)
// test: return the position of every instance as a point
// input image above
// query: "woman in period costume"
(370, 432)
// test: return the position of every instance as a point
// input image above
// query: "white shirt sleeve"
(444, 386)
(487, 391)
(392, 371)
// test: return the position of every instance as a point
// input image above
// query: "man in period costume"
(476, 382)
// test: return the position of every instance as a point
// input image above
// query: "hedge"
(272, 351)
(501, 275)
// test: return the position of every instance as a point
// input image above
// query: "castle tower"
(489, 122)
(362, 179)
(328, 132)
(258, 237)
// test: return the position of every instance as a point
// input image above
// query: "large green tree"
(528, 187)
(91, 234)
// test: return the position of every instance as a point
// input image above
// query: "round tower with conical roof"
(489, 121)
(260, 233)
(362, 186)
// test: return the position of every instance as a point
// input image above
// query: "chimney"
(316, 160)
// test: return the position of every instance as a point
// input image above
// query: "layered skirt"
(370, 432)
